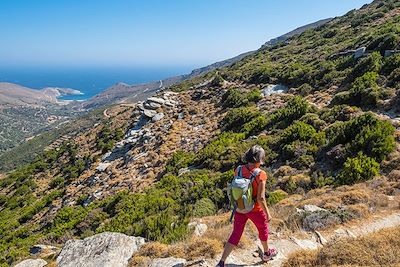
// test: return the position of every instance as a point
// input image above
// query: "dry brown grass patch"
(204, 248)
(376, 249)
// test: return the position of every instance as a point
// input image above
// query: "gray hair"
(255, 154)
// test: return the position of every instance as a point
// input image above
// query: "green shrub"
(358, 169)
(179, 160)
(237, 117)
(57, 182)
(283, 117)
(384, 42)
(234, 98)
(364, 92)
(371, 63)
(276, 196)
(204, 207)
(222, 153)
(365, 133)
(217, 80)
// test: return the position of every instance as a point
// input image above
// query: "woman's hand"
(269, 217)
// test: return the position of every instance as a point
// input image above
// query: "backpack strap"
(239, 171)
(254, 174)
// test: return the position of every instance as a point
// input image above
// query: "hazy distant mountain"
(299, 30)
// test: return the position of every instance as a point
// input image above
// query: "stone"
(103, 166)
(198, 228)
(322, 240)
(312, 208)
(360, 52)
(158, 117)
(274, 89)
(101, 250)
(305, 243)
(149, 113)
(152, 105)
(43, 250)
(167, 262)
(156, 100)
(32, 263)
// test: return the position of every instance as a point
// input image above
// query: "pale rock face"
(313, 208)
(103, 166)
(168, 262)
(101, 250)
(156, 100)
(158, 117)
(274, 89)
(32, 263)
(198, 228)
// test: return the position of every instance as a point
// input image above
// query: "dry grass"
(376, 249)
(196, 247)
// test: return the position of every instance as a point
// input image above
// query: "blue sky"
(148, 32)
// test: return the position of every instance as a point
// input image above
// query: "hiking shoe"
(221, 264)
(270, 254)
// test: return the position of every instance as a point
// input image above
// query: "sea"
(89, 80)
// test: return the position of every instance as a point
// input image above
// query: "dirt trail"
(250, 255)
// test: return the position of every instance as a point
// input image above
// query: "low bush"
(204, 207)
(358, 169)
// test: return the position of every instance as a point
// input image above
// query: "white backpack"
(240, 191)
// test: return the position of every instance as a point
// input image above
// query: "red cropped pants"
(258, 217)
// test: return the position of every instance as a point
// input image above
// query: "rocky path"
(250, 255)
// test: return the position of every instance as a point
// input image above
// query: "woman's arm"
(262, 200)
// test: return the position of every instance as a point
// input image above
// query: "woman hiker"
(259, 214)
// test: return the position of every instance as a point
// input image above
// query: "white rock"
(106, 155)
(149, 113)
(32, 263)
(158, 117)
(359, 52)
(305, 243)
(198, 228)
(101, 250)
(156, 100)
(103, 166)
(274, 89)
(168, 262)
(313, 208)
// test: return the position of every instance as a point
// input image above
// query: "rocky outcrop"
(101, 250)
(167, 262)
(43, 251)
(32, 263)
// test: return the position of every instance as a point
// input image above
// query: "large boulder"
(168, 262)
(101, 250)
(32, 263)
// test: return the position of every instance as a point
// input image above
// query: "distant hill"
(13, 94)
(296, 31)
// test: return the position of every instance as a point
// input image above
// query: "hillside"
(25, 112)
(331, 133)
